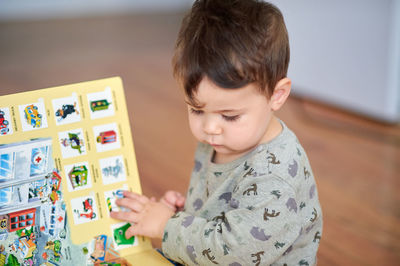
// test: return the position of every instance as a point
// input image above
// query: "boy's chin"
(223, 151)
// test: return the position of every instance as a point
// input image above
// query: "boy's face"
(233, 121)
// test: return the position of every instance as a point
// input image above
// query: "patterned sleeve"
(260, 224)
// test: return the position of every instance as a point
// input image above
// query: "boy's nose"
(210, 127)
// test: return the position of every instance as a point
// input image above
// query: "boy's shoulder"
(281, 150)
(283, 157)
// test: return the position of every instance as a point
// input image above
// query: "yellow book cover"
(66, 154)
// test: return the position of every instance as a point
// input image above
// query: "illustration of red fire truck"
(106, 137)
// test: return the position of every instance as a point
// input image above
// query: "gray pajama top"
(260, 209)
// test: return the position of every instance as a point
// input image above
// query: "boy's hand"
(173, 200)
(150, 217)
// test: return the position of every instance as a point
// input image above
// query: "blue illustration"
(39, 161)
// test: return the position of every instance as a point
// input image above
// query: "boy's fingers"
(180, 202)
(131, 231)
(168, 204)
(134, 205)
(132, 195)
(168, 195)
(172, 197)
(125, 216)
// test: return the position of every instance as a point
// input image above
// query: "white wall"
(346, 53)
(47, 9)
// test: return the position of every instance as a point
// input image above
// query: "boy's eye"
(195, 111)
(231, 118)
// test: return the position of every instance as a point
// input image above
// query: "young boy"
(252, 198)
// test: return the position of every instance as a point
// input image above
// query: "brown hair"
(233, 43)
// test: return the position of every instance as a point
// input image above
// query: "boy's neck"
(273, 130)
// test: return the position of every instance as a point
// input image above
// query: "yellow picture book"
(66, 154)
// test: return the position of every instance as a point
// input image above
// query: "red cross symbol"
(38, 159)
(60, 219)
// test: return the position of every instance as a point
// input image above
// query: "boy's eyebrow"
(229, 110)
(193, 105)
(218, 111)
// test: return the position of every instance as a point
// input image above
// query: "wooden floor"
(356, 161)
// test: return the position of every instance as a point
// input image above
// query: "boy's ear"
(281, 92)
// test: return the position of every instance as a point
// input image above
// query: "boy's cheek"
(197, 132)
(192, 124)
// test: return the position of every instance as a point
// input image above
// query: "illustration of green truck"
(99, 105)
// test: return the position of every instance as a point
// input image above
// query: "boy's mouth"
(215, 145)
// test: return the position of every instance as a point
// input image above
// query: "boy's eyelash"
(195, 111)
(231, 118)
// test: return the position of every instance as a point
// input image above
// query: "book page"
(68, 154)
